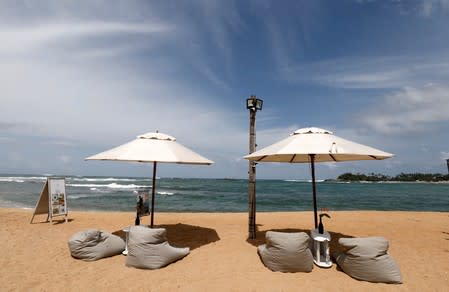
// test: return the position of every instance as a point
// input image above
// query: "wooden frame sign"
(53, 199)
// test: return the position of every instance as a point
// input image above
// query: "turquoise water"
(226, 195)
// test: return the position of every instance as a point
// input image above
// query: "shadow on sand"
(184, 235)
(55, 221)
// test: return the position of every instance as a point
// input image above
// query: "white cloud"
(409, 110)
(444, 155)
(71, 84)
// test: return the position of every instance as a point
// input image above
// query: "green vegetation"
(428, 177)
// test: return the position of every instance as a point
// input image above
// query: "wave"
(11, 204)
(110, 186)
(303, 180)
(21, 179)
(75, 197)
(10, 179)
(165, 193)
(105, 179)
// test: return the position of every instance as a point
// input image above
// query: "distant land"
(402, 177)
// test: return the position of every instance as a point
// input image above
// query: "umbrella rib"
(373, 157)
(293, 158)
(333, 158)
(262, 158)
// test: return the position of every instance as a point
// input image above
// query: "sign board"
(53, 199)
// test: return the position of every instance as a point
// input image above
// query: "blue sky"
(80, 77)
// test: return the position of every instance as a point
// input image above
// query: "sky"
(81, 77)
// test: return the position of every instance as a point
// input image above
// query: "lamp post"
(253, 104)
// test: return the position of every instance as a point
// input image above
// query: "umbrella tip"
(312, 130)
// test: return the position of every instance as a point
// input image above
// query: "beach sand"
(36, 256)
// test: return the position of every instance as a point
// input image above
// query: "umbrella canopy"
(152, 147)
(310, 145)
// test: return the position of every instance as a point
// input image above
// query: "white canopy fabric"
(316, 145)
(323, 143)
(152, 147)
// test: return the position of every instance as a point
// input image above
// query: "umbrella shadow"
(190, 235)
(184, 235)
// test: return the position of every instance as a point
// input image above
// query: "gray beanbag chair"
(93, 244)
(286, 252)
(367, 259)
(148, 248)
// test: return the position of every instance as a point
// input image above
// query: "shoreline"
(221, 257)
(229, 212)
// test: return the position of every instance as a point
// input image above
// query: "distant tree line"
(428, 177)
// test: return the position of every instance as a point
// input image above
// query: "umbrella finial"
(312, 130)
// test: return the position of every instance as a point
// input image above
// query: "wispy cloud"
(290, 29)
(421, 8)
(428, 7)
(371, 73)
(19, 39)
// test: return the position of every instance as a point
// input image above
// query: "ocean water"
(227, 195)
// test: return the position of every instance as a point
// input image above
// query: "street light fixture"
(253, 104)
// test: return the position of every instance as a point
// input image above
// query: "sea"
(226, 195)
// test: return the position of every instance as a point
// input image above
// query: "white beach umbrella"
(310, 145)
(152, 147)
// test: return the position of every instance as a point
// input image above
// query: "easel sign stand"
(53, 200)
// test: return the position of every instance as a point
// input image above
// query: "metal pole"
(252, 177)
(312, 162)
(152, 194)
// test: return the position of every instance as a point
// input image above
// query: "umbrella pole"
(312, 162)
(152, 193)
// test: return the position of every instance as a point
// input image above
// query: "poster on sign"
(57, 196)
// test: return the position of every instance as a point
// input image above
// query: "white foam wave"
(166, 193)
(74, 197)
(21, 179)
(110, 186)
(11, 204)
(7, 179)
(104, 179)
(302, 180)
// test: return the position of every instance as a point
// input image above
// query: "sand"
(36, 256)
